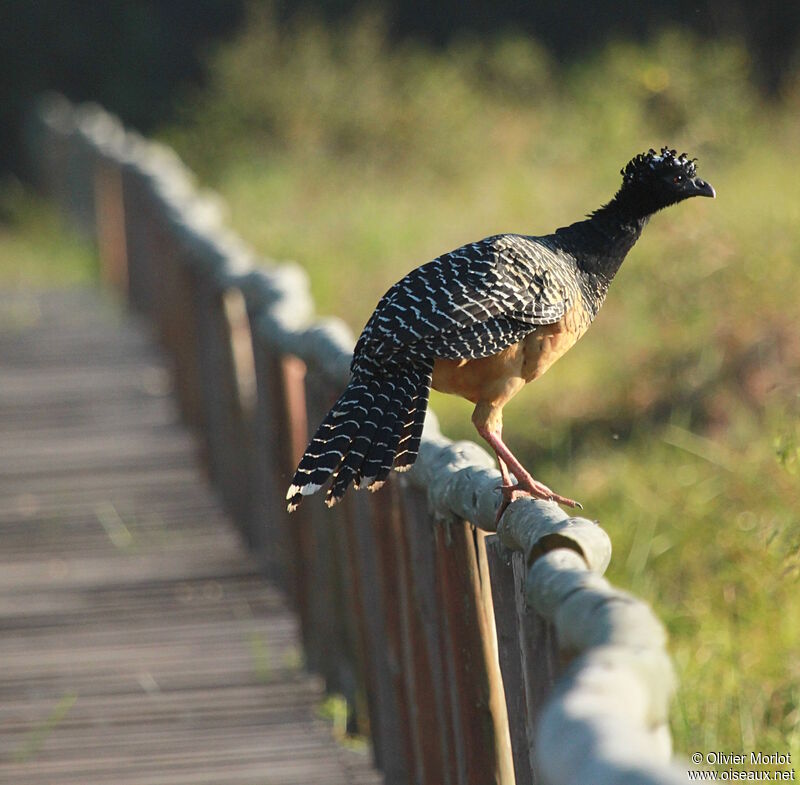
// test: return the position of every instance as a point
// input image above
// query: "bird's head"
(654, 180)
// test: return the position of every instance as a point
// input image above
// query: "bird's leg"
(490, 428)
(504, 473)
(525, 482)
(508, 489)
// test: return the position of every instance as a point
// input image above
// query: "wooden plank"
(73, 455)
(46, 385)
(140, 646)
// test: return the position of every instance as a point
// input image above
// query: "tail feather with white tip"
(376, 425)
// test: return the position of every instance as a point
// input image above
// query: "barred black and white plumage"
(374, 426)
(465, 323)
(470, 303)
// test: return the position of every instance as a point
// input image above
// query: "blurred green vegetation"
(675, 420)
(34, 248)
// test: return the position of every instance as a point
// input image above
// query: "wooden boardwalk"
(138, 643)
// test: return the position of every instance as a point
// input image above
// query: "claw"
(535, 489)
(508, 463)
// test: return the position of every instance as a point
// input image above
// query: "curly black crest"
(646, 164)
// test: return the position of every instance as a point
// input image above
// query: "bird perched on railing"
(481, 322)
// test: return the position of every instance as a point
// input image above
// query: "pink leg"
(525, 482)
(504, 473)
(508, 488)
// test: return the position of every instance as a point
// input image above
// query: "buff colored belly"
(495, 380)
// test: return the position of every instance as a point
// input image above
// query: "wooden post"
(226, 428)
(80, 183)
(349, 677)
(184, 340)
(528, 653)
(481, 721)
(399, 749)
(386, 704)
(110, 221)
(139, 265)
(365, 692)
(331, 635)
(281, 419)
(269, 532)
(430, 698)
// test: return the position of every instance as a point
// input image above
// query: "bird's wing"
(472, 302)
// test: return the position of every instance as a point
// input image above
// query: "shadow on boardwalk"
(138, 643)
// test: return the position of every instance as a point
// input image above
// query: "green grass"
(37, 737)
(675, 420)
(34, 248)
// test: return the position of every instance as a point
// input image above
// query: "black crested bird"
(481, 322)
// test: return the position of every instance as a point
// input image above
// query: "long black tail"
(376, 425)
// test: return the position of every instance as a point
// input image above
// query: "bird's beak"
(702, 188)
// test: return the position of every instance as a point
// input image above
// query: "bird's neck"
(601, 242)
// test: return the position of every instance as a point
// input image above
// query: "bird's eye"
(677, 179)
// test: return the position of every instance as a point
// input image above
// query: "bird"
(481, 322)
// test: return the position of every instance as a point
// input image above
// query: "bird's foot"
(510, 493)
(530, 487)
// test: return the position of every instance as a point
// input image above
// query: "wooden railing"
(466, 656)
